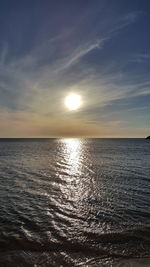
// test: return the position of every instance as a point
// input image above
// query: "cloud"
(16, 124)
(140, 58)
(33, 72)
(126, 20)
(33, 86)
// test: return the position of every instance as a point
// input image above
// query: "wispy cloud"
(33, 86)
(141, 58)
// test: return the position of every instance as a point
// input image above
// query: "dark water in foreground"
(75, 202)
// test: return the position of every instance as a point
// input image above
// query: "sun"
(73, 101)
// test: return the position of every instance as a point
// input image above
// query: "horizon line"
(69, 137)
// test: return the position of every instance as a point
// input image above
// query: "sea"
(74, 202)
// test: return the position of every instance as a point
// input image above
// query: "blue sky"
(99, 49)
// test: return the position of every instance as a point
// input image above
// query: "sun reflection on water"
(73, 155)
(74, 173)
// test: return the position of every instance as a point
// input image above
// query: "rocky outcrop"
(148, 137)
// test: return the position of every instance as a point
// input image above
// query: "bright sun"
(73, 101)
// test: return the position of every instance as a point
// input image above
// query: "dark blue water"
(75, 202)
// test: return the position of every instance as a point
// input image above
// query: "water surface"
(74, 202)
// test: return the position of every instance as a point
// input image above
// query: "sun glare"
(73, 101)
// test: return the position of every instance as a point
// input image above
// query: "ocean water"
(74, 202)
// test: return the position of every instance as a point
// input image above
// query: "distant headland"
(148, 137)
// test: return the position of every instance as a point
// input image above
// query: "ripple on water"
(74, 202)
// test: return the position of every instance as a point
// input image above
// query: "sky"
(99, 49)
